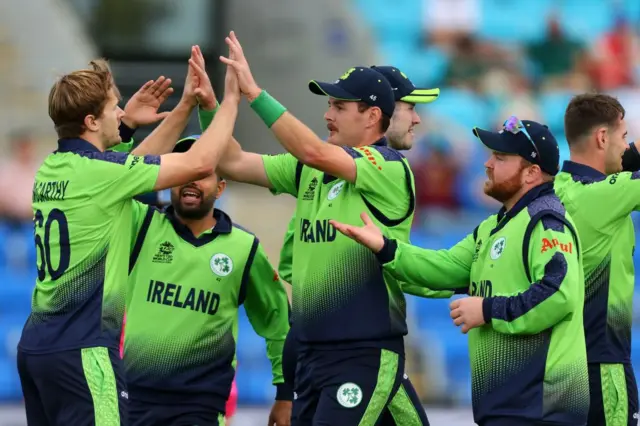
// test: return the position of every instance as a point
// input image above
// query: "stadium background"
(491, 58)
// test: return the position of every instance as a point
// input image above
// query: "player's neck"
(370, 139)
(93, 140)
(588, 160)
(508, 205)
(198, 226)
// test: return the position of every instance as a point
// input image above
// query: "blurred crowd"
(510, 78)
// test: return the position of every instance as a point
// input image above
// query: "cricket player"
(400, 136)
(600, 198)
(350, 318)
(68, 358)
(192, 268)
(524, 272)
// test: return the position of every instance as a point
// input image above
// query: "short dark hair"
(590, 110)
(385, 121)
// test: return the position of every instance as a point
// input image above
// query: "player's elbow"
(202, 169)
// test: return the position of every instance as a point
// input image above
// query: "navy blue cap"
(184, 144)
(359, 84)
(542, 149)
(403, 89)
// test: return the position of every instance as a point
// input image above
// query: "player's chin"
(333, 138)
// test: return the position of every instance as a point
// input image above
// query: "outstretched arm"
(295, 136)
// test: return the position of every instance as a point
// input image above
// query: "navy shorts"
(405, 408)
(146, 414)
(614, 395)
(76, 387)
(345, 387)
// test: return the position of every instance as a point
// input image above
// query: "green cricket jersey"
(82, 204)
(182, 309)
(601, 206)
(340, 294)
(529, 359)
(286, 264)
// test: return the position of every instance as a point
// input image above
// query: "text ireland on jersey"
(169, 294)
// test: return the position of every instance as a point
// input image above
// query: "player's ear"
(375, 115)
(91, 123)
(222, 185)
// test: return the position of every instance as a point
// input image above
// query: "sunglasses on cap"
(514, 125)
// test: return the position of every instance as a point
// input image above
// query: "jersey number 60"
(44, 250)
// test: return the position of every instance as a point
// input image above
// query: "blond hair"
(79, 94)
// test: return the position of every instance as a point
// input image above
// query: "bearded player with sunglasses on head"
(523, 268)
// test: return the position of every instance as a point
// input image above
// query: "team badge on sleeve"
(221, 264)
(349, 395)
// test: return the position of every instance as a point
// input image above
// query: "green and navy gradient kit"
(529, 360)
(82, 206)
(340, 295)
(182, 309)
(601, 207)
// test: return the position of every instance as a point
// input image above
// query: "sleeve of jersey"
(281, 172)
(427, 293)
(384, 179)
(612, 198)
(139, 212)
(285, 267)
(119, 176)
(557, 290)
(431, 269)
(267, 308)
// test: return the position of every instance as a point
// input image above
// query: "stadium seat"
(461, 107)
(507, 22)
(553, 106)
(424, 66)
(586, 20)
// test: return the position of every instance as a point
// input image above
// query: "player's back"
(600, 208)
(82, 228)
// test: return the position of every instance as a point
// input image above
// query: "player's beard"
(505, 190)
(196, 211)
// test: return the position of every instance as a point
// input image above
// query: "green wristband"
(206, 117)
(267, 108)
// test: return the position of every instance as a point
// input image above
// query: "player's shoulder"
(239, 232)
(549, 212)
(377, 152)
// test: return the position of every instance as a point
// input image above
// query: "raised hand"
(204, 92)
(192, 81)
(239, 63)
(231, 82)
(142, 108)
(368, 235)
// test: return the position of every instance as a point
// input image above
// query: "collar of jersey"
(223, 226)
(381, 142)
(535, 192)
(75, 145)
(578, 169)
